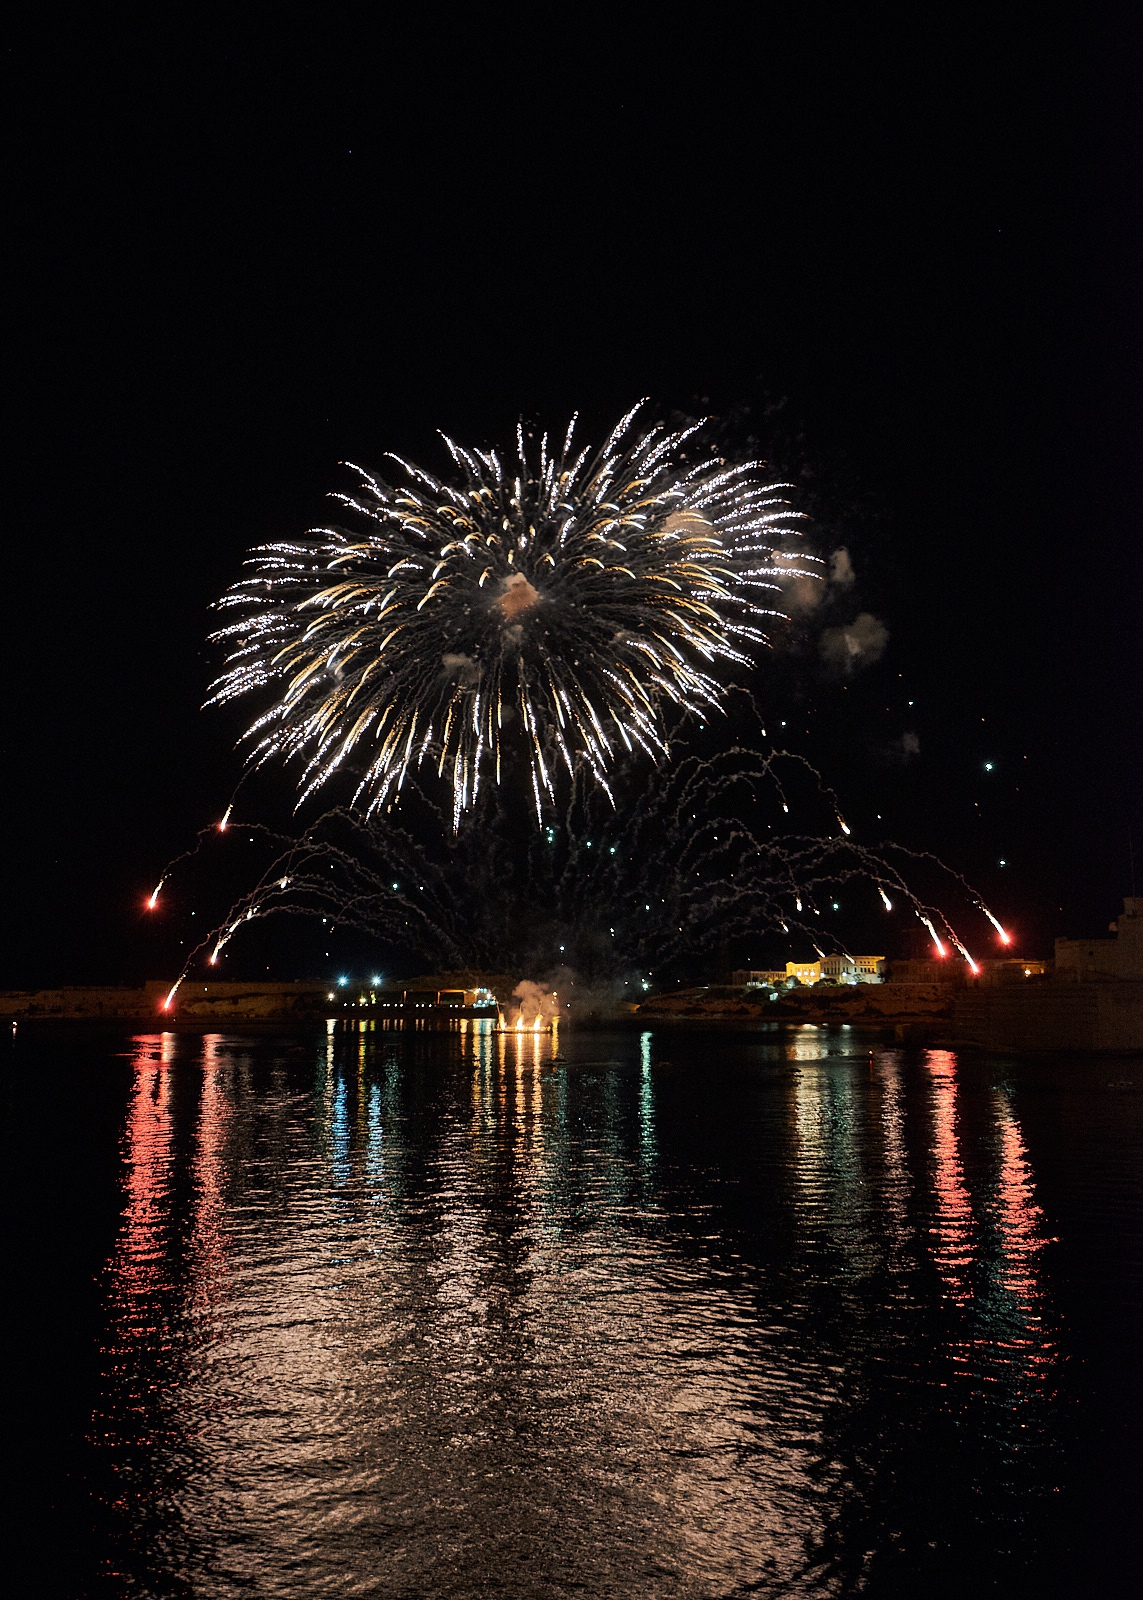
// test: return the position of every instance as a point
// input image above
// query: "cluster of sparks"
(559, 601)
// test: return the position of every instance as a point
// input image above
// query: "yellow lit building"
(841, 969)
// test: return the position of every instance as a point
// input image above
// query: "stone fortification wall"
(1052, 1016)
(1121, 957)
(876, 1004)
(194, 1001)
(88, 1000)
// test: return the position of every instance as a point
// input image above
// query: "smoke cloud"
(806, 594)
(858, 644)
(466, 669)
(516, 595)
(841, 573)
(534, 1001)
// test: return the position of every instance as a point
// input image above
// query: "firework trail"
(683, 863)
(558, 603)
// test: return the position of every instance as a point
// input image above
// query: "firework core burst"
(559, 601)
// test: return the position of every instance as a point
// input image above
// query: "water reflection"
(896, 1185)
(1013, 1296)
(209, 1178)
(405, 1313)
(142, 1264)
(954, 1230)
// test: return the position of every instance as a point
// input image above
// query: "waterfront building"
(841, 969)
(1120, 957)
(1092, 1000)
(853, 969)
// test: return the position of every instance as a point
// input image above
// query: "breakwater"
(247, 1002)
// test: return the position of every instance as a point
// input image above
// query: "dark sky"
(240, 254)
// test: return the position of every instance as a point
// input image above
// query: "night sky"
(904, 256)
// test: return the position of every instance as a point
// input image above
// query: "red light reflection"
(954, 1234)
(208, 1239)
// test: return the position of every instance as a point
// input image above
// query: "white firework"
(558, 602)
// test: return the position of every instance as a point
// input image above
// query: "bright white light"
(341, 982)
(376, 982)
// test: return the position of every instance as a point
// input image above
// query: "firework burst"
(559, 602)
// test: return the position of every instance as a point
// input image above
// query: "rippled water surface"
(414, 1314)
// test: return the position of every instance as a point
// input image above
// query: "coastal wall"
(876, 1004)
(1104, 1015)
(87, 1000)
(254, 1002)
(219, 1001)
(1036, 1015)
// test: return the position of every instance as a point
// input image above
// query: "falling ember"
(171, 995)
(151, 903)
(225, 819)
(1005, 938)
(972, 964)
(843, 823)
(940, 949)
(885, 898)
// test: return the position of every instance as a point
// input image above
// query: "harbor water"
(386, 1311)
